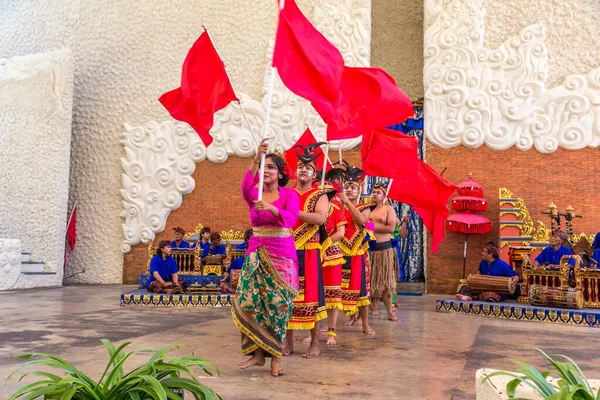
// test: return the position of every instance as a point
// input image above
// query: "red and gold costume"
(309, 305)
(333, 257)
(355, 272)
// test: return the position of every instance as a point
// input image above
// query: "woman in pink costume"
(269, 279)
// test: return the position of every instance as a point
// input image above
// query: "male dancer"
(309, 305)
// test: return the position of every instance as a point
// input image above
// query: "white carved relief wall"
(499, 97)
(149, 196)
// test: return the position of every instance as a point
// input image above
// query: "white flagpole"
(340, 150)
(261, 177)
(254, 135)
(261, 182)
(324, 165)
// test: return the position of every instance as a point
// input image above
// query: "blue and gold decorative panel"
(176, 300)
(518, 312)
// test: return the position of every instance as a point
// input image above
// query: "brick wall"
(563, 177)
(216, 202)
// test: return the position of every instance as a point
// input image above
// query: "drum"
(487, 283)
(564, 297)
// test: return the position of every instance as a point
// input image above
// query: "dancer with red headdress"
(309, 305)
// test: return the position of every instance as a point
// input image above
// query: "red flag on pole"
(205, 89)
(369, 99)
(307, 63)
(388, 153)
(306, 139)
(71, 228)
(428, 193)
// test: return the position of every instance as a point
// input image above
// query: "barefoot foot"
(313, 352)
(462, 297)
(330, 341)
(276, 369)
(375, 314)
(307, 340)
(287, 350)
(254, 361)
(393, 318)
(367, 330)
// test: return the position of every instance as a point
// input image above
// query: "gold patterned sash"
(271, 232)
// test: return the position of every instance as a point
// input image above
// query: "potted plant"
(572, 383)
(157, 379)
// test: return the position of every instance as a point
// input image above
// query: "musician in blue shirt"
(216, 248)
(236, 264)
(163, 270)
(493, 266)
(204, 242)
(552, 254)
(179, 243)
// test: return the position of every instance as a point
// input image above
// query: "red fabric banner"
(369, 99)
(307, 63)
(428, 193)
(205, 89)
(388, 153)
(71, 228)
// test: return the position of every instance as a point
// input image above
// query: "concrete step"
(32, 267)
(25, 257)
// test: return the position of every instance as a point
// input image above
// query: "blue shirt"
(241, 247)
(213, 251)
(496, 268)
(596, 244)
(165, 268)
(204, 247)
(596, 256)
(549, 256)
(182, 245)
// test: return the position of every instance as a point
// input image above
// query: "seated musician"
(163, 270)
(236, 264)
(204, 242)
(552, 254)
(179, 243)
(216, 248)
(493, 266)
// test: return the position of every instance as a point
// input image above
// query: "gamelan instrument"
(564, 297)
(487, 283)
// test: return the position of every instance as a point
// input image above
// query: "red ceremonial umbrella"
(469, 199)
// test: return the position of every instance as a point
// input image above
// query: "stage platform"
(142, 297)
(521, 312)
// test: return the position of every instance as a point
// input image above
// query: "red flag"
(307, 63)
(428, 193)
(369, 99)
(205, 89)
(388, 153)
(435, 224)
(306, 139)
(71, 228)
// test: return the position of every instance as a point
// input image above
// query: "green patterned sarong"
(263, 302)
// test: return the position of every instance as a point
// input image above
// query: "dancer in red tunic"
(309, 305)
(333, 259)
(355, 247)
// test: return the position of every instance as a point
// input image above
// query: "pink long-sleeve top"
(288, 206)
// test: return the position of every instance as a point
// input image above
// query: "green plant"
(572, 384)
(157, 379)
